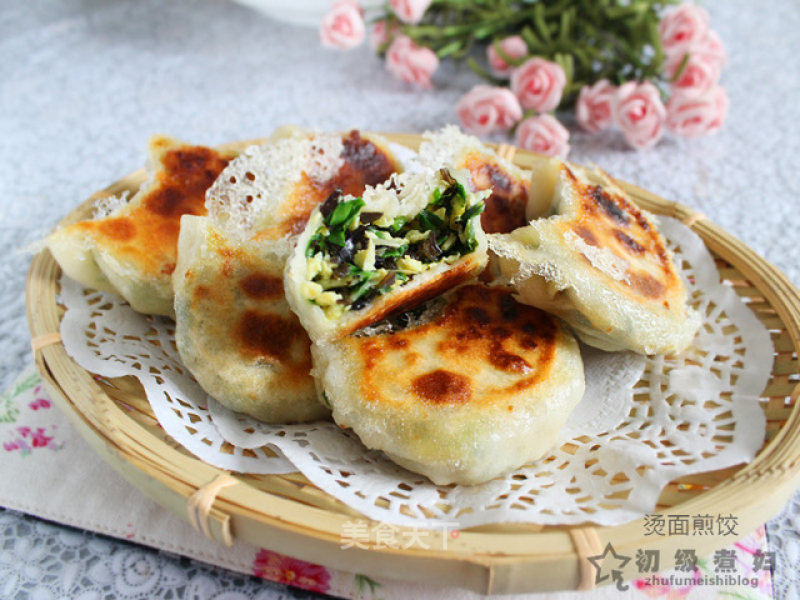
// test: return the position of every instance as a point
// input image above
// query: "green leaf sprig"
(592, 40)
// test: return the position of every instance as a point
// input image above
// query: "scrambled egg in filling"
(355, 255)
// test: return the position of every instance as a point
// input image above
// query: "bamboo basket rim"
(484, 561)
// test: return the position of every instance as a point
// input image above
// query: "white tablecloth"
(84, 83)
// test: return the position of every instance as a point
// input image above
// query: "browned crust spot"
(365, 158)
(508, 361)
(397, 342)
(586, 235)
(629, 243)
(169, 201)
(276, 340)
(646, 285)
(188, 172)
(194, 168)
(201, 292)
(120, 229)
(607, 203)
(442, 387)
(260, 286)
(480, 326)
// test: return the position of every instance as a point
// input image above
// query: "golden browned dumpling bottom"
(481, 388)
(600, 263)
(133, 250)
(606, 219)
(485, 349)
(148, 234)
(234, 330)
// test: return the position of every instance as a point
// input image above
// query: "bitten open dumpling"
(131, 251)
(507, 208)
(600, 264)
(235, 331)
(462, 393)
(360, 259)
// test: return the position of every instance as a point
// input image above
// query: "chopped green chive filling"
(355, 256)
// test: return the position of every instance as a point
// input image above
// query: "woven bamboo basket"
(286, 513)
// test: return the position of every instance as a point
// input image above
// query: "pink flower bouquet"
(641, 66)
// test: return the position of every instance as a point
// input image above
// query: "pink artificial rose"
(538, 83)
(379, 36)
(593, 108)
(682, 26)
(690, 115)
(543, 134)
(410, 62)
(410, 11)
(639, 113)
(700, 73)
(514, 46)
(712, 44)
(486, 109)
(343, 26)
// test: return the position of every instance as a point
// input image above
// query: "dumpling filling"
(355, 256)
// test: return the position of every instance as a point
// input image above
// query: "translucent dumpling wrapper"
(130, 248)
(600, 263)
(468, 389)
(235, 331)
(361, 259)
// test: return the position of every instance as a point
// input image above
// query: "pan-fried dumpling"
(132, 250)
(360, 259)
(268, 193)
(600, 264)
(468, 393)
(235, 331)
(507, 207)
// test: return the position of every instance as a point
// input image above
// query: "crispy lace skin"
(270, 191)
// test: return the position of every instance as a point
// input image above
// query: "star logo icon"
(614, 565)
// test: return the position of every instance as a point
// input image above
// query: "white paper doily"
(642, 423)
(105, 336)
